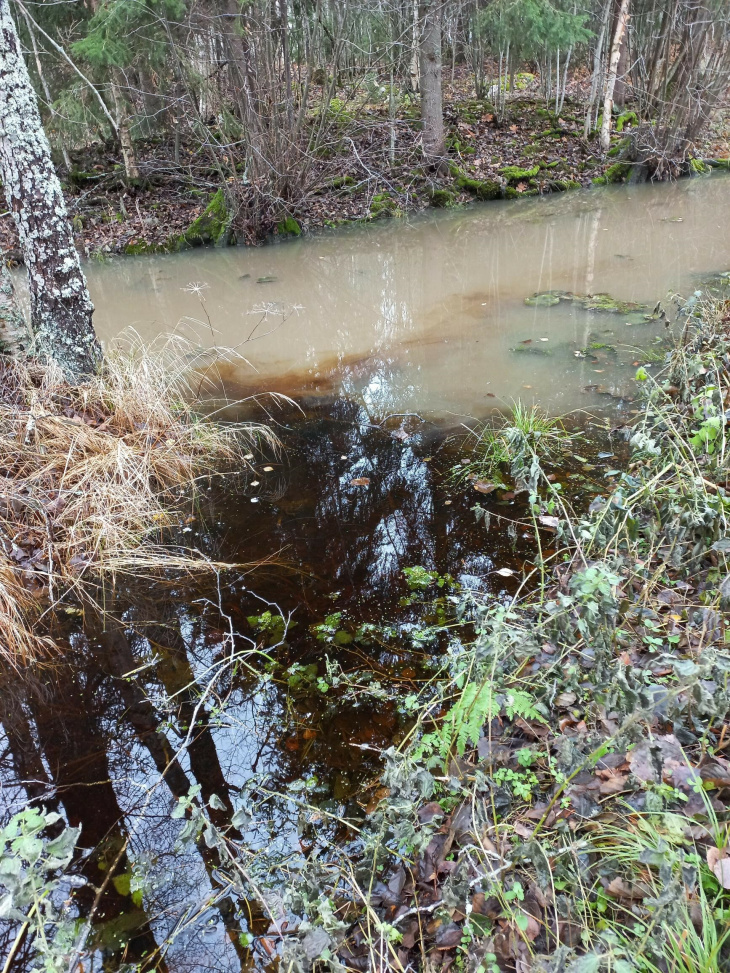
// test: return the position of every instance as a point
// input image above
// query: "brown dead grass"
(93, 477)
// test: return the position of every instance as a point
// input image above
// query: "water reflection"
(438, 300)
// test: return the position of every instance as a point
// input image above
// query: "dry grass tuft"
(92, 476)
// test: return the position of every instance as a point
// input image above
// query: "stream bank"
(371, 169)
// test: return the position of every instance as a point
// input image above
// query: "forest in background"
(180, 122)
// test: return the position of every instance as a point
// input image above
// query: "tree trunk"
(131, 168)
(15, 338)
(622, 20)
(432, 114)
(415, 49)
(621, 89)
(61, 309)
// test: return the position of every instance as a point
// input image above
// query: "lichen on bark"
(60, 306)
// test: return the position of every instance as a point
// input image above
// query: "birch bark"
(622, 20)
(61, 309)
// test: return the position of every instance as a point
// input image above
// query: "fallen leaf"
(719, 862)
(483, 487)
(360, 481)
(622, 890)
(613, 785)
(549, 521)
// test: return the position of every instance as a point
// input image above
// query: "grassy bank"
(98, 479)
(561, 799)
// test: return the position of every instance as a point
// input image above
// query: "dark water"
(176, 688)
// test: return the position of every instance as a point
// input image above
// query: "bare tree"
(622, 20)
(61, 309)
(432, 113)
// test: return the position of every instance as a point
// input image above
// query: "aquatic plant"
(97, 476)
(511, 443)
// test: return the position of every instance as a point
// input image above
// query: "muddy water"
(423, 314)
(178, 687)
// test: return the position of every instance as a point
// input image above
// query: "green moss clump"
(340, 182)
(441, 198)
(137, 248)
(563, 185)
(618, 172)
(699, 167)
(383, 204)
(599, 181)
(515, 173)
(288, 227)
(591, 302)
(626, 118)
(481, 188)
(212, 226)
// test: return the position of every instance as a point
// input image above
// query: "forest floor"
(368, 165)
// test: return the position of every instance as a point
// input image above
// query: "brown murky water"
(423, 314)
(397, 318)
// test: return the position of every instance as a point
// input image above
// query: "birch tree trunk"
(622, 20)
(415, 51)
(14, 335)
(61, 309)
(432, 113)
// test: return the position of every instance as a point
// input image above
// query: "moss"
(626, 118)
(481, 188)
(719, 163)
(137, 248)
(515, 173)
(698, 167)
(340, 182)
(618, 172)
(540, 350)
(441, 198)
(591, 302)
(383, 204)
(288, 227)
(599, 181)
(212, 226)
(563, 185)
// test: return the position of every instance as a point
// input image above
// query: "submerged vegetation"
(97, 476)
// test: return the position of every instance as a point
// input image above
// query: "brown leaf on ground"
(719, 861)
(360, 481)
(622, 890)
(613, 784)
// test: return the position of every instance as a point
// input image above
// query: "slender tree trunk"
(622, 20)
(131, 168)
(415, 51)
(44, 83)
(61, 309)
(597, 62)
(432, 113)
(15, 338)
